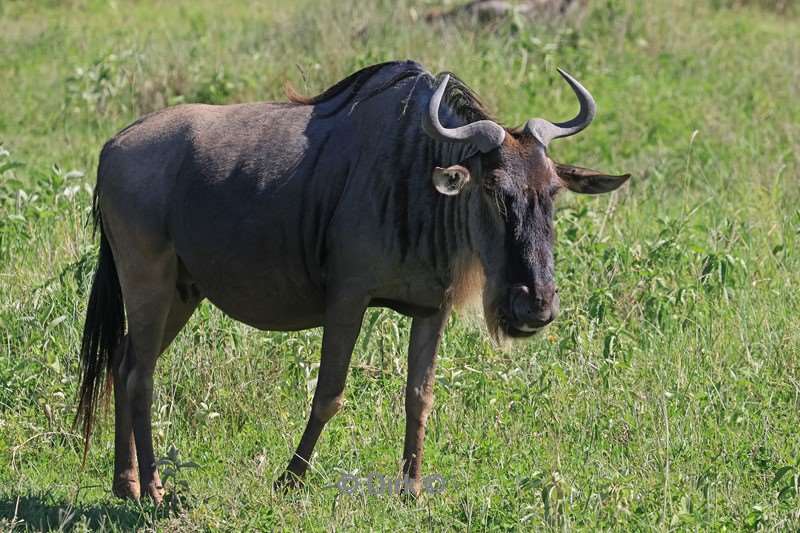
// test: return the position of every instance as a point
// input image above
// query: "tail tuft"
(102, 332)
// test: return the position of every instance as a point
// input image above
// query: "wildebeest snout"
(533, 307)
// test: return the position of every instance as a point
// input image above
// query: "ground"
(664, 397)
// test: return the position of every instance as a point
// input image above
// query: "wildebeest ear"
(586, 181)
(450, 180)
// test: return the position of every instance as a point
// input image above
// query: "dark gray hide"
(296, 215)
(270, 206)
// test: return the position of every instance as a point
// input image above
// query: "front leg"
(426, 333)
(342, 325)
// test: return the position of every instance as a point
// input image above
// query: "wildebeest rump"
(392, 188)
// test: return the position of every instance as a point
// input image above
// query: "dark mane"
(463, 100)
(354, 81)
(458, 96)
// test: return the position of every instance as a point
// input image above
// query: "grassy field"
(665, 396)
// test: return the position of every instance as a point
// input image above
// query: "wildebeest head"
(517, 183)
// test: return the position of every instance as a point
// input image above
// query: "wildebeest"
(392, 188)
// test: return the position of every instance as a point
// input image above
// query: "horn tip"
(566, 75)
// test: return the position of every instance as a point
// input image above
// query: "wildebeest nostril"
(535, 308)
(523, 304)
(518, 300)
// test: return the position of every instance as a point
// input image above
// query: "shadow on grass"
(45, 512)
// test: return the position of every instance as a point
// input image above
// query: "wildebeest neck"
(373, 121)
(421, 228)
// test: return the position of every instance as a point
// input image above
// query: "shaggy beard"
(495, 319)
(472, 295)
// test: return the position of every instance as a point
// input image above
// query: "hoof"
(411, 492)
(410, 496)
(126, 488)
(288, 481)
(155, 491)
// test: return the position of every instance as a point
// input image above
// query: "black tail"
(103, 330)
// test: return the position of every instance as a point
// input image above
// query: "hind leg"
(149, 290)
(126, 478)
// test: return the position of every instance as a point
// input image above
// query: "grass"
(665, 397)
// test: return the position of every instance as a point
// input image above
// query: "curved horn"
(485, 135)
(546, 131)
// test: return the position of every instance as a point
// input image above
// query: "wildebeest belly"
(253, 279)
(264, 298)
(254, 274)
(243, 244)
